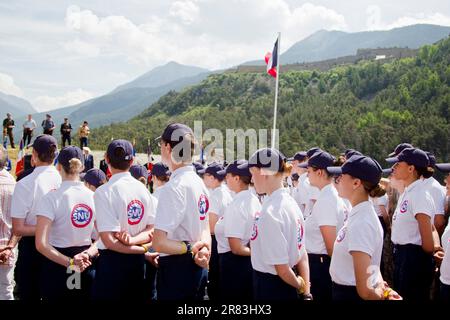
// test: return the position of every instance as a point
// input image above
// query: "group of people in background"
(310, 227)
(48, 127)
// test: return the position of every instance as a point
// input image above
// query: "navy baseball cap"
(299, 156)
(412, 156)
(361, 167)
(399, 148)
(444, 167)
(351, 152)
(198, 167)
(431, 159)
(95, 177)
(138, 171)
(160, 169)
(312, 151)
(68, 153)
(43, 142)
(387, 171)
(267, 158)
(175, 132)
(237, 167)
(120, 144)
(320, 160)
(214, 168)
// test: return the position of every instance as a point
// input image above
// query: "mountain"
(18, 107)
(370, 106)
(162, 75)
(324, 45)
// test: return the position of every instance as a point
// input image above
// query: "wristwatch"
(188, 246)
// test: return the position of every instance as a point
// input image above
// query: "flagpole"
(276, 92)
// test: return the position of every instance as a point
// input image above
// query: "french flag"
(271, 60)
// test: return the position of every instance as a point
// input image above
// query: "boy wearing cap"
(28, 191)
(94, 178)
(160, 176)
(125, 216)
(182, 235)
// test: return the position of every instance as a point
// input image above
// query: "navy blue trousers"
(236, 277)
(413, 272)
(344, 293)
(213, 272)
(445, 292)
(319, 275)
(179, 278)
(270, 287)
(54, 279)
(28, 270)
(119, 276)
(150, 282)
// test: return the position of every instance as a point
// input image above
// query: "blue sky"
(57, 53)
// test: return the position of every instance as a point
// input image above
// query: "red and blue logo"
(255, 227)
(404, 206)
(300, 233)
(135, 211)
(203, 206)
(341, 234)
(81, 215)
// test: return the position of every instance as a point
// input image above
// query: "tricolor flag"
(20, 159)
(271, 60)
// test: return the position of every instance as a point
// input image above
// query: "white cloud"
(8, 86)
(213, 34)
(81, 48)
(46, 103)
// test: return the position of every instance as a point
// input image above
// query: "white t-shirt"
(308, 195)
(278, 235)
(123, 204)
(437, 193)
(30, 190)
(362, 232)
(30, 124)
(183, 206)
(220, 198)
(237, 220)
(71, 209)
(381, 201)
(445, 266)
(158, 191)
(415, 199)
(328, 211)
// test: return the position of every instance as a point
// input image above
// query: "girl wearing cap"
(65, 222)
(26, 194)
(220, 197)
(326, 218)
(140, 173)
(182, 235)
(125, 215)
(233, 233)
(94, 178)
(412, 231)
(355, 264)
(278, 254)
(160, 176)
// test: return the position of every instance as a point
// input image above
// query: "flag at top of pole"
(273, 68)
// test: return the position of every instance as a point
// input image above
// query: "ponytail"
(424, 172)
(75, 166)
(374, 191)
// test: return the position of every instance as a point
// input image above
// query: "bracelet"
(386, 293)
(145, 248)
(302, 288)
(71, 262)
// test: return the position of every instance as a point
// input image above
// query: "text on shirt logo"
(135, 212)
(81, 215)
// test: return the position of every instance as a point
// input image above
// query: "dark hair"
(120, 164)
(336, 163)
(424, 172)
(49, 155)
(162, 178)
(244, 179)
(375, 191)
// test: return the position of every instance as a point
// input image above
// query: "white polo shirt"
(445, 265)
(380, 201)
(220, 198)
(328, 211)
(183, 206)
(31, 189)
(362, 232)
(278, 235)
(415, 199)
(437, 193)
(157, 191)
(72, 212)
(237, 220)
(123, 204)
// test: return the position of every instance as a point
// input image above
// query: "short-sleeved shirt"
(362, 232)
(72, 212)
(327, 211)
(445, 265)
(237, 220)
(31, 189)
(183, 206)
(414, 200)
(123, 204)
(30, 124)
(278, 235)
(380, 201)
(8, 122)
(437, 193)
(220, 198)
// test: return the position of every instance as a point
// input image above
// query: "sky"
(59, 53)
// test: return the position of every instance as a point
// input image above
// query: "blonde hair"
(286, 169)
(75, 166)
